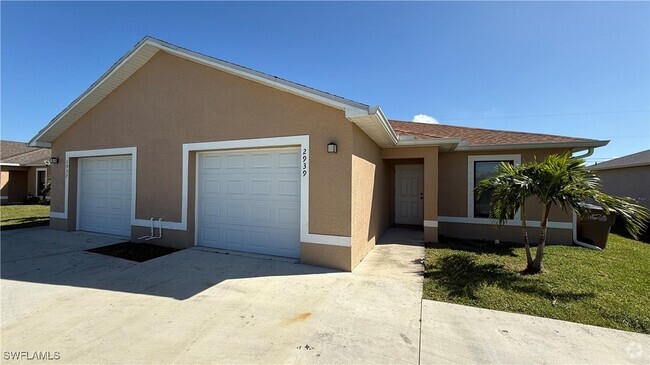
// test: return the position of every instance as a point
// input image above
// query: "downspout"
(589, 152)
(575, 235)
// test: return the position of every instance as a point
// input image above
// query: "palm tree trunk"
(524, 227)
(539, 255)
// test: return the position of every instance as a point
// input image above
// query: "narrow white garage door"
(249, 200)
(105, 195)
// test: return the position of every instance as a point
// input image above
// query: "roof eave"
(576, 146)
(374, 123)
(445, 144)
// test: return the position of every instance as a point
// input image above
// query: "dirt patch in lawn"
(139, 252)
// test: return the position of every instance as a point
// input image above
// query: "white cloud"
(423, 118)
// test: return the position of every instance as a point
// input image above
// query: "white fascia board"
(39, 144)
(383, 121)
(9, 164)
(375, 124)
(522, 146)
(451, 142)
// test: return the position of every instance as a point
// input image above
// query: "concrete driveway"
(198, 306)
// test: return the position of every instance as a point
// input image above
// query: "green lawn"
(609, 288)
(23, 216)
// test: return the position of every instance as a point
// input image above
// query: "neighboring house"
(627, 176)
(232, 158)
(23, 170)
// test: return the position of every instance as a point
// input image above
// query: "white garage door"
(105, 195)
(250, 201)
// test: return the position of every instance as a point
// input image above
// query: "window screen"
(484, 170)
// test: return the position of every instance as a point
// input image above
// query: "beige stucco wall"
(453, 199)
(369, 195)
(4, 184)
(171, 101)
(14, 183)
(632, 182)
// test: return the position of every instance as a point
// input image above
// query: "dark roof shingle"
(477, 136)
(20, 153)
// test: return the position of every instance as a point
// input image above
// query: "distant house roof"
(636, 159)
(20, 154)
(476, 138)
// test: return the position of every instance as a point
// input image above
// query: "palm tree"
(510, 189)
(559, 180)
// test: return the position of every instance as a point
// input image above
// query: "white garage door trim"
(133, 151)
(302, 142)
(119, 231)
(267, 181)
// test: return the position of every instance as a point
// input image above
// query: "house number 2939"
(304, 162)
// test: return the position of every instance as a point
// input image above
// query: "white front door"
(249, 200)
(104, 204)
(409, 194)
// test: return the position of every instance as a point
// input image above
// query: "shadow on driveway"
(53, 257)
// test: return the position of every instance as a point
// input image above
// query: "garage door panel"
(251, 213)
(271, 241)
(105, 195)
(250, 201)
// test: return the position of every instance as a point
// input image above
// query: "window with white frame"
(41, 180)
(478, 169)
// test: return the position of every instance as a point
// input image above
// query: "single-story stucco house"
(626, 176)
(23, 171)
(236, 159)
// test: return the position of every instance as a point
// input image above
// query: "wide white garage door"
(105, 195)
(249, 200)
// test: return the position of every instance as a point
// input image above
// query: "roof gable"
(370, 119)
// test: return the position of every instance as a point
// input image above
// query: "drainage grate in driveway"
(139, 252)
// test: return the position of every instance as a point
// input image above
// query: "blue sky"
(580, 69)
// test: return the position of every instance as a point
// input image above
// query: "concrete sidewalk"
(457, 334)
